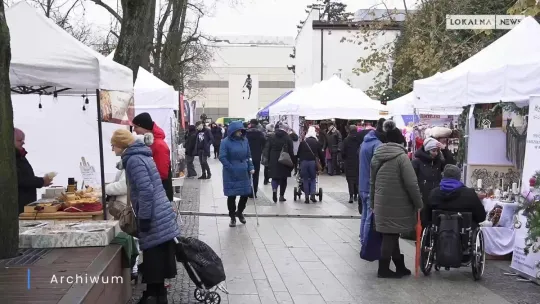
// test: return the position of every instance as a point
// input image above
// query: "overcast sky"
(252, 17)
(242, 17)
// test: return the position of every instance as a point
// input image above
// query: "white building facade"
(265, 59)
(321, 51)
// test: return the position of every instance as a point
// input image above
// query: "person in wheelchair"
(453, 196)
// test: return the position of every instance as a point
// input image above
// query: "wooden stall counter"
(62, 216)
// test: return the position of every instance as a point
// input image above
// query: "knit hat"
(144, 120)
(393, 134)
(452, 171)
(122, 138)
(430, 144)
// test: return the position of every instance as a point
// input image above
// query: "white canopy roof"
(43, 54)
(152, 92)
(404, 105)
(506, 70)
(331, 98)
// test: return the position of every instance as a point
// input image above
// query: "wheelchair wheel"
(295, 194)
(320, 194)
(478, 254)
(212, 298)
(426, 251)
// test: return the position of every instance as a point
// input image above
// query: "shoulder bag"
(285, 158)
(127, 219)
(317, 160)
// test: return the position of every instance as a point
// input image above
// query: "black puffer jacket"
(460, 200)
(191, 141)
(429, 170)
(351, 148)
(27, 181)
(257, 141)
(274, 148)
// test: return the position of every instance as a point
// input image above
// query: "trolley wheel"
(426, 252)
(199, 294)
(320, 194)
(295, 194)
(212, 298)
(478, 255)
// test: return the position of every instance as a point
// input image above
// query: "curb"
(320, 216)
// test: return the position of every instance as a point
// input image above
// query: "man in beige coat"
(395, 199)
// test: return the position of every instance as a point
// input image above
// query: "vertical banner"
(117, 107)
(182, 111)
(193, 112)
(528, 265)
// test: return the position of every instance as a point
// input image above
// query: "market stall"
(65, 70)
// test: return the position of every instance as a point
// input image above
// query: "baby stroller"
(297, 191)
(204, 268)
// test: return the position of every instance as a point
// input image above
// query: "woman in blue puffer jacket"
(156, 221)
(235, 155)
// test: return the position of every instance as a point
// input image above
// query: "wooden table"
(62, 216)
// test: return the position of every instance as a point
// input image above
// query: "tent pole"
(101, 161)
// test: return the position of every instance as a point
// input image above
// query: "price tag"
(89, 175)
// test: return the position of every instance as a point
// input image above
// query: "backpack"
(448, 247)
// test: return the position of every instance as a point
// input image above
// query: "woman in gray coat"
(395, 199)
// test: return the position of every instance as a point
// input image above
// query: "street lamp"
(390, 78)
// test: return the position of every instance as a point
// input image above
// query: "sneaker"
(241, 218)
(232, 223)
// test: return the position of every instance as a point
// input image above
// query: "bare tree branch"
(109, 9)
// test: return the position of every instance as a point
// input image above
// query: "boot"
(209, 175)
(146, 299)
(282, 198)
(355, 197)
(307, 199)
(232, 223)
(162, 298)
(313, 199)
(203, 176)
(266, 182)
(241, 217)
(274, 196)
(401, 269)
(384, 270)
(351, 199)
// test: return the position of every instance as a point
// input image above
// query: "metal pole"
(101, 160)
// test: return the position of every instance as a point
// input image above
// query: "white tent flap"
(43, 54)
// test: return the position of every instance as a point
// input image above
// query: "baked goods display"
(82, 200)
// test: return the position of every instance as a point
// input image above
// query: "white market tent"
(43, 54)
(331, 98)
(47, 59)
(160, 100)
(506, 70)
(404, 105)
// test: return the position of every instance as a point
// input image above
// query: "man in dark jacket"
(204, 141)
(334, 140)
(351, 147)
(453, 196)
(191, 152)
(27, 181)
(257, 142)
(428, 164)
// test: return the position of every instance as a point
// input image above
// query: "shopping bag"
(371, 248)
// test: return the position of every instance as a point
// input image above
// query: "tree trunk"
(171, 55)
(136, 35)
(9, 217)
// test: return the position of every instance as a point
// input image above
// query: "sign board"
(89, 174)
(117, 107)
